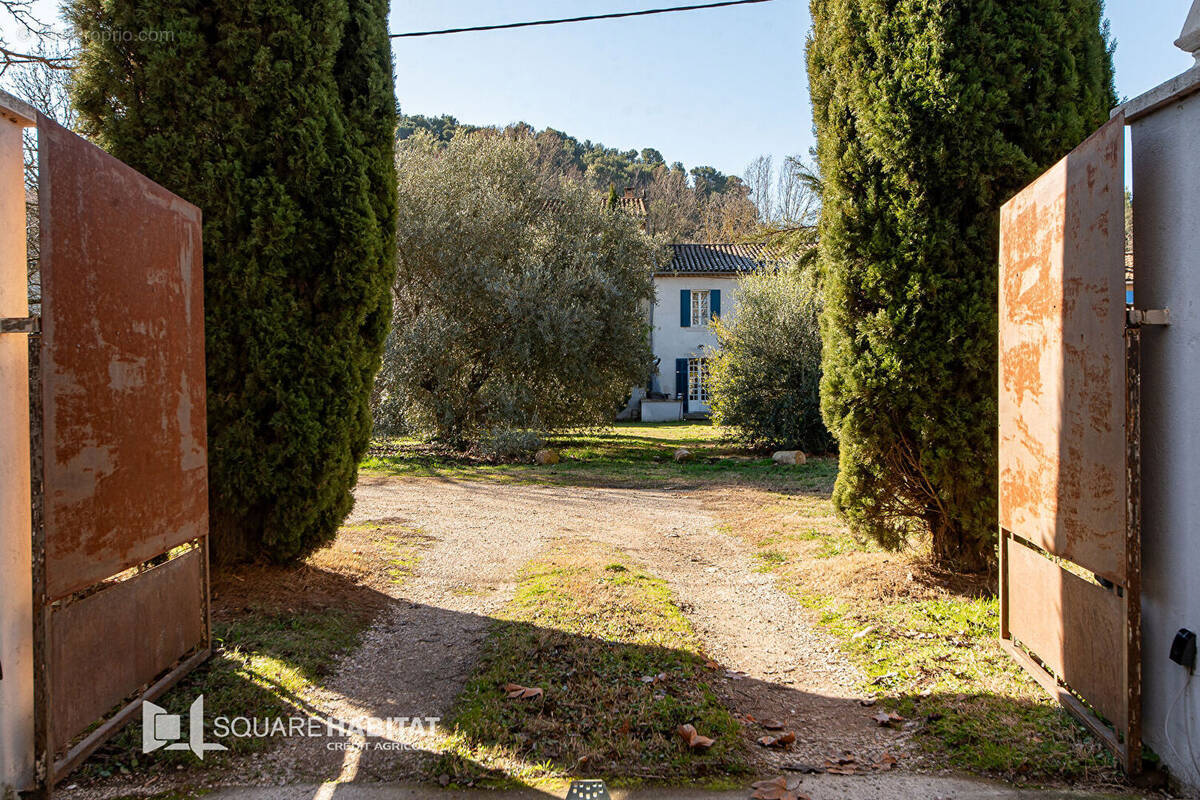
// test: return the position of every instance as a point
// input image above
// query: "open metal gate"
(118, 452)
(1070, 543)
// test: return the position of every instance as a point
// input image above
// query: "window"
(698, 380)
(701, 313)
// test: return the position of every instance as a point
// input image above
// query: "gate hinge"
(21, 324)
(1148, 316)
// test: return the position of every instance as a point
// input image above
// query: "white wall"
(16, 590)
(1166, 186)
(670, 339)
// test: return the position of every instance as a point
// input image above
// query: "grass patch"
(278, 631)
(587, 626)
(628, 452)
(938, 661)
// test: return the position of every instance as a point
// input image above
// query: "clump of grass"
(621, 669)
(769, 558)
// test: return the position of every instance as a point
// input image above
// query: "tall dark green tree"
(276, 118)
(929, 115)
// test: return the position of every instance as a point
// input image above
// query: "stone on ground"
(546, 457)
(788, 457)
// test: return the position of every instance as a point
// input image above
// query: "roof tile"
(735, 258)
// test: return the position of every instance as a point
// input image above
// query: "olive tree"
(765, 381)
(517, 306)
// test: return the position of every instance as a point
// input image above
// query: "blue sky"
(714, 87)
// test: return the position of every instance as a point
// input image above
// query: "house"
(699, 284)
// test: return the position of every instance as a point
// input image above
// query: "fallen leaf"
(846, 769)
(885, 762)
(694, 740)
(843, 765)
(778, 741)
(885, 718)
(712, 665)
(778, 789)
(772, 724)
(518, 692)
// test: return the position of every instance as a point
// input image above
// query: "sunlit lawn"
(631, 452)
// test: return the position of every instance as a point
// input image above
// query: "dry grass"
(813, 550)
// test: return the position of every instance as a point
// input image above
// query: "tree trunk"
(952, 548)
(230, 538)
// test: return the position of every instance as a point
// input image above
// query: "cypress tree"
(929, 115)
(276, 118)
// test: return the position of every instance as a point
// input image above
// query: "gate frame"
(48, 765)
(1123, 736)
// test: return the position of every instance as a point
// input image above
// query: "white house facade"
(700, 283)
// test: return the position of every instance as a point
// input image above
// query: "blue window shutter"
(714, 302)
(685, 309)
(681, 380)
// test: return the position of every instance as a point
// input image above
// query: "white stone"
(1189, 37)
(788, 457)
(662, 410)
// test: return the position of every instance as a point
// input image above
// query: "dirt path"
(416, 657)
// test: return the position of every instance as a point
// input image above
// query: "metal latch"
(1148, 316)
(21, 324)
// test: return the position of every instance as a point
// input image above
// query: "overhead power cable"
(589, 18)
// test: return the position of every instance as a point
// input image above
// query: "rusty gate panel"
(122, 365)
(119, 462)
(1044, 601)
(129, 633)
(1068, 415)
(1062, 358)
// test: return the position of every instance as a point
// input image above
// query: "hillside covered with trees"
(701, 204)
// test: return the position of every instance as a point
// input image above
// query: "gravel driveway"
(417, 656)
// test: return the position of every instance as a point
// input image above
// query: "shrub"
(277, 120)
(506, 444)
(766, 377)
(929, 115)
(516, 306)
